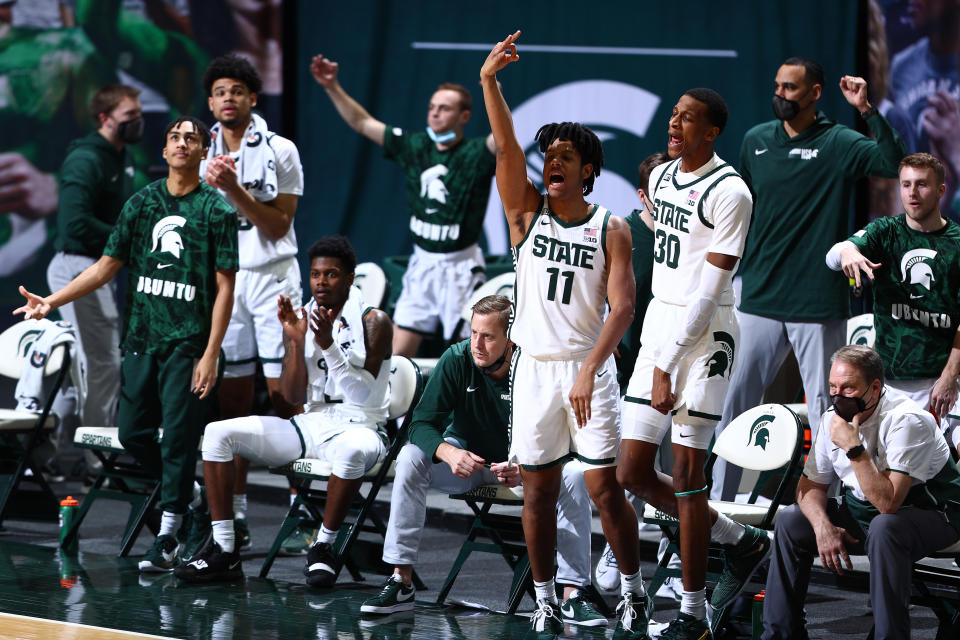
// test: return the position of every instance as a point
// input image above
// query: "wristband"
(855, 452)
(869, 113)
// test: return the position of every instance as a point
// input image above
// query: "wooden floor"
(47, 595)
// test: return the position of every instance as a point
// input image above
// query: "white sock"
(223, 534)
(546, 591)
(694, 603)
(631, 584)
(170, 523)
(326, 535)
(240, 505)
(573, 594)
(293, 498)
(726, 531)
(197, 496)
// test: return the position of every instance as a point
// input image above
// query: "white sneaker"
(671, 588)
(606, 576)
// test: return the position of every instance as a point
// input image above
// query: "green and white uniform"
(561, 294)
(697, 213)
(447, 195)
(916, 302)
(173, 247)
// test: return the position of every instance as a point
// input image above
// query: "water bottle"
(68, 511)
(758, 614)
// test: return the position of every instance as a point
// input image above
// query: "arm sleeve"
(289, 168)
(76, 217)
(436, 406)
(818, 467)
(866, 157)
(834, 259)
(356, 382)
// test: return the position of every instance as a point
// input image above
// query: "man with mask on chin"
(448, 182)
(901, 499)
(802, 168)
(95, 180)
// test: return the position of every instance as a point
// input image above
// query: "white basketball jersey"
(561, 289)
(322, 392)
(695, 213)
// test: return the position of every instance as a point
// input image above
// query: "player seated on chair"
(337, 356)
(471, 384)
(901, 499)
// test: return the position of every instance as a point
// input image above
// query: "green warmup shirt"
(642, 256)
(447, 190)
(463, 403)
(801, 206)
(916, 300)
(172, 246)
(95, 180)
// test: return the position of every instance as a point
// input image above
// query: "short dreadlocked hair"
(584, 141)
(338, 247)
(716, 106)
(231, 66)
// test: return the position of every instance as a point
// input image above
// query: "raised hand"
(854, 90)
(324, 70)
(36, 307)
(853, 262)
(321, 321)
(502, 54)
(222, 173)
(294, 322)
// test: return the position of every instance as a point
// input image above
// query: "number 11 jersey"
(561, 288)
(704, 211)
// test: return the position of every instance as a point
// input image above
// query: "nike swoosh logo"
(544, 222)
(163, 266)
(234, 565)
(686, 435)
(913, 297)
(401, 597)
(472, 389)
(567, 610)
(602, 373)
(759, 152)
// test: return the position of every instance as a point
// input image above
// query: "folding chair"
(505, 535)
(21, 431)
(502, 284)
(121, 478)
(406, 385)
(766, 438)
(860, 330)
(373, 283)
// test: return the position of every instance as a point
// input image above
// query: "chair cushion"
(106, 439)
(493, 492)
(317, 469)
(741, 512)
(13, 421)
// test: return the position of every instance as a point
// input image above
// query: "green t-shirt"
(916, 301)
(173, 247)
(642, 256)
(447, 190)
(459, 401)
(801, 206)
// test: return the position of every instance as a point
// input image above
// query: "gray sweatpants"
(416, 473)
(764, 345)
(893, 543)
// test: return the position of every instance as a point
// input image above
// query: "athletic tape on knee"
(685, 494)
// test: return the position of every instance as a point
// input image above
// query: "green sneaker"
(162, 555)
(544, 624)
(299, 541)
(686, 627)
(632, 620)
(740, 561)
(241, 533)
(395, 596)
(577, 610)
(199, 532)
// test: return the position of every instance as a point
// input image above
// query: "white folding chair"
(860, 330)
(372, 282)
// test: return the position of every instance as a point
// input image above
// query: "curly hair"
(231, 66)
(583, 140)
(338, 247)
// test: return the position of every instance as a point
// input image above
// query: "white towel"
(258, 162)
(29, 391)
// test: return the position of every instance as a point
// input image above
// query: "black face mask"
(493, 368)
(131, 131)
(785, 109)
(848, 406)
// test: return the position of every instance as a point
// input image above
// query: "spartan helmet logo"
(432, 187)
(165, 235)
(915, 269)
(760, 431)
(26, 341)
(721, 361)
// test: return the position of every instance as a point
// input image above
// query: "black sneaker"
(322, 566)
(740, 561)
(211, 564)
(395, 596)
(686, 627)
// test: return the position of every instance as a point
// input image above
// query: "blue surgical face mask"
(441, 138)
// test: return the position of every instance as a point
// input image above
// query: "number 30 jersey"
(705, 211)
(561, 288)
